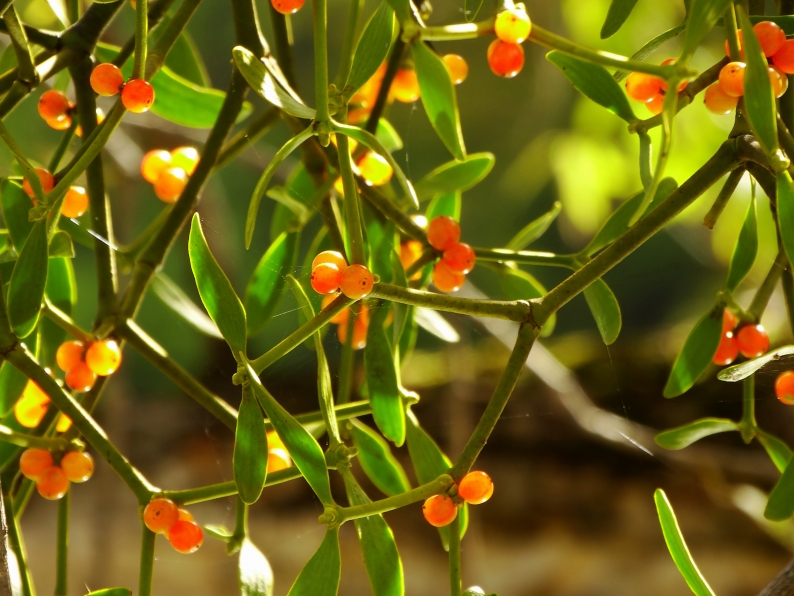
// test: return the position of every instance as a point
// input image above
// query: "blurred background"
(573, 459)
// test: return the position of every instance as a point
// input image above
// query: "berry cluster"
(330, 272)
(57, 111)
(83, 364)
(107, 80)
(277, 455)
(505, 54)
(169, 171)
(162, 516)
(649, 89)
(475, 488)
(750, 341)
(32, 406)
(75, 203)
(52, 479)
(457, 259)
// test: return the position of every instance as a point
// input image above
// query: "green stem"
(283, 49)
(203, 494)
(22, 497)
(526, 257)
(248, 136)
(722, 199)
(159, 51)
(27, 169)
(747, 425)
(767, 287)
(148, 540)
(157, 10)
(355, 233)
(17, 544)
(62, 546)
(27, 72)
(63, 146)
(435, 487)
(458, 31)
(320, 14)
(732, 34)
(429, 255)
(65, 322)
(455, 583)
(347, 360)
(402, 220)
(141, 38)
(8, 435)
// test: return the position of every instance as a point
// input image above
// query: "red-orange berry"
(52, 484)
(719, 102)
(443, 232)
(287, 6)
(727, 351)
(186, 158)
(663, 83)
(732, 78)
(75, 202)
(357, 282)
(137, 96)
(185, 536)
(784, 57)
(330, 256)
(784, 387)
(642, 87)
(54, 105)
(505, 59)
(729, 321)
(770, 36)
(69, 353)
(104, 357)
(77, 465)
(106, 79)
(446, 280)
(360, 327)
(80, 378)
(410, 253)
(439, 510)
(325, 278)
(169, 185)
(779, 81)
(458, 68)
(64, 123)
(375, 169)
(160, 515)
(34, 462)
(47, 182)
(475, 488)
(405, 87)
(154, 163)
(513, 25)
(656, 105)
(459, 258)
(753, 341)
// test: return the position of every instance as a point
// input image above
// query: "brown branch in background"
(783, 584)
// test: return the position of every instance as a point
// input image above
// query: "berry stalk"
(141, 38)
(62, 546)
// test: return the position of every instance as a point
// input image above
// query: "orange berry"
(784, 57)
(505, 59)
(77, 465)
(458, 68)
(137, 96)
(513, 25)
(103, 357)
(155, 163)
(446, 280)
(330, 256)
(405, 86)
(439, 510)
(274, 441)
(375, 169)
(186, 158)
(656, 105)
(732, 79)
(53, 105)
(459, 258)
(69, 353)
(325, 278)
(341, 317)
(170, 184)
(160, 515)
(277, 460)
(47, 182)
(779, 81)
(106, 79)
(64, 123)
(80, 378)
(784, 387)
(443, 232)
(186, 536)
(360, 327)
(753, 341)
(770, 36)
(64, 422)
(663, 83)
(643, 87)
(75, 202)
(410, 253)
(729, 321)
(719, 102)
(185, 515)
(356, 282)
(34, 462)
(287, 6)
(475, 488)
(727, 351)
(53, 483)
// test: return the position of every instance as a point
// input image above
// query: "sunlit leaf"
(434, 323)
(61, 245)
(702, 16)
(696, 355)
(444, 204)
(28, 281)
(388, 136)
(61, 291)
(619, 11)
(372, 48)
(455, 175)
(377, 461)
(249, 459)
(605, 309)
(534, 229)
(16, 205)
(255, 574)
(268, 282)
(321, 575)
(180, 304)
(684, 436)
(738, 372)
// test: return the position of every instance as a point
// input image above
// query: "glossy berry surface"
(475, 488)
(458, 67)
(375, 169)
(656, 105)
(505, 59)
(69, 353)
(779, 81)
(104, 357)
(52, 484)
(732, 79)
(77, 465)
(445, 280)
(727, 351)
(770, 36)
(439, 510)
(53, 105)
(185, 536)
(443, 232)
(75, 202)
(753, 341)
(784, 57)
(154, 163)
(325, 278)
(718, 102)
(137, 96)
(330, 256)
(287, 6)
(34, 462)
(80, 378)
(512, 25)
(357, 282)
(186, 158)
(405, 87)
(642, 87)
(45, 177)
(106, 79)
(459, 258)
(64, 123)
(160, 515)
(784, 387)
(170, 184)
(729, 321)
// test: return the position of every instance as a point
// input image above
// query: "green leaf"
(12, 384)
(255, 574)
(594, 82)
(402, 8)
(262, 83)
(384, 390)
(284, 197)
(702, 16)
(455, 175)
(61, 290)
(372, 48)
(649, 48)
(684, 436)
(677, 547)
(778, 451)
(28, 281)
(16, 205)
(320, 576)
(183, 58)
(444, 204)
(696, 356)
(471, 8)
(759, 99)
(438, 97)
(388, 136)
(534, 229)
(434, 323)
(746, 249)
(738, 372)
(785, 212)
(61, 245)
(249, 459)
(268, 282)
(781, 500)
(605, 309)
(215, 289)
(517, 284)
(377, 461)
(180, 304)
(111, 591)
(619, 11)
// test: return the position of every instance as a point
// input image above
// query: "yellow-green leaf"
(268, 282)
(605, 309)
(684, 436)
(746, 249)
(384, 391)
(618, 12)
(702, 16)
(785, 212)
(254, 571)
(372, 48)
(455, 175)
(781, 500)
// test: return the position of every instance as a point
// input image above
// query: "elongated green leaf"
(402, 8)
(268, 282)
(249, 460)
(216, 291)
(738, 372)
(438, 97)
(534, 229)
(444, 204)
(781, 500)
(111, 592)
(183, 58)
(388, 136)
(61, 245)
(28, 282)
(619, 11)
(263, 83)
(778, 451)
(649, 48)
(684, 436)
(520, 285)
(283, 197)
(384, 390)
(594, 82)
(16, 205)
(605, 309)
(677, 546)
(455, 176)
(746, 249)
(434, 323)
(12, 384)
(377, 461)
(695, 357)
(180, 304)
(702, 16)
(785, 212)
(61, 291)
(255, 574)
(372, 48)
(471, 8)
(320, 576)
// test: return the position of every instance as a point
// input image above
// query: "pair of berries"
(32, 406)
(475, 488)
(75, 203)
(56, 110)
(449, 273)
(277, 455)
(83, 365)
(169, 171)
(505, 54)
(405, 86)
(52, 480)
(360, 324)
(162, 516)
(750, 341)
(649, 89)
(330, 272)
(107, 80)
